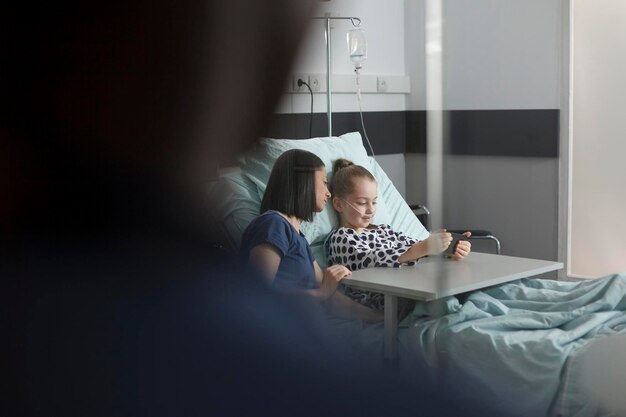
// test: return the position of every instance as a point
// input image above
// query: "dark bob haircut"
(291, 186)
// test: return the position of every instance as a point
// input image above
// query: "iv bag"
(357, 46)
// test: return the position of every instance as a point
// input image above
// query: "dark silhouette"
(117, 299)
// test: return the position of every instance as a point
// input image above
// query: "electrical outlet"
(302, 88)
(381, 84)
(315, 81)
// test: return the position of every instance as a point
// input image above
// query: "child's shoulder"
(380, 227)
(342, 231)
(386, 230)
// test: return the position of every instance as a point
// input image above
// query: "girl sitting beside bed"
(358, 243)
(274, 245)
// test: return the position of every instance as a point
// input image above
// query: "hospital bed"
(518, 346)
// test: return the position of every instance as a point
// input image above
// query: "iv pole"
(356, 22)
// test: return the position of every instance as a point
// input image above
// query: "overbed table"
(435, 277)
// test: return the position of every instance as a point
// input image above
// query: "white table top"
(435, 277)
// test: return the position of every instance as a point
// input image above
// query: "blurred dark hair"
(344, 172)
(291, 186)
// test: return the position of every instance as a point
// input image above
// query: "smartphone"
(456, 237)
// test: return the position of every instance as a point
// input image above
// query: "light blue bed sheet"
(514, 346)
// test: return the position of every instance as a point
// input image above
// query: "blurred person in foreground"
(117, 300)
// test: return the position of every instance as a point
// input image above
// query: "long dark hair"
(291, 186)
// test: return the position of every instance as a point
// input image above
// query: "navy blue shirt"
(296, 270)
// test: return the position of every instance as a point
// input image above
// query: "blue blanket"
(516, 346)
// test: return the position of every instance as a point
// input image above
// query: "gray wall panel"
(515, 198)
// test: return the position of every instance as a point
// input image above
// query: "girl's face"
(321, 189)
(357, 209)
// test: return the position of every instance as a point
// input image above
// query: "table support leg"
(391, 327)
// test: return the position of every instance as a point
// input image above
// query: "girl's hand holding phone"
(438, 241)
(462, 249)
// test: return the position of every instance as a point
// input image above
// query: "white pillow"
(257, 164)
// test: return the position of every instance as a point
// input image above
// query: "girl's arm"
(417, 250)
(347, 249)
(436, 243)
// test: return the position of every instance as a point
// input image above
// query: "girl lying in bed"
(358, 243)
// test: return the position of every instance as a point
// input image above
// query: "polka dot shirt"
(380, 246)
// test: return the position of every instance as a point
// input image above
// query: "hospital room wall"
(384, 29)
(501, 67)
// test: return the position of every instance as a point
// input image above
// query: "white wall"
(501, 54)
(598, 192)
(383, 23)
(496, 54)
(415, 53)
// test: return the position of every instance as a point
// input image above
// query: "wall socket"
(315, 82)
(301, 89)
(345, 83)
(381, 84)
